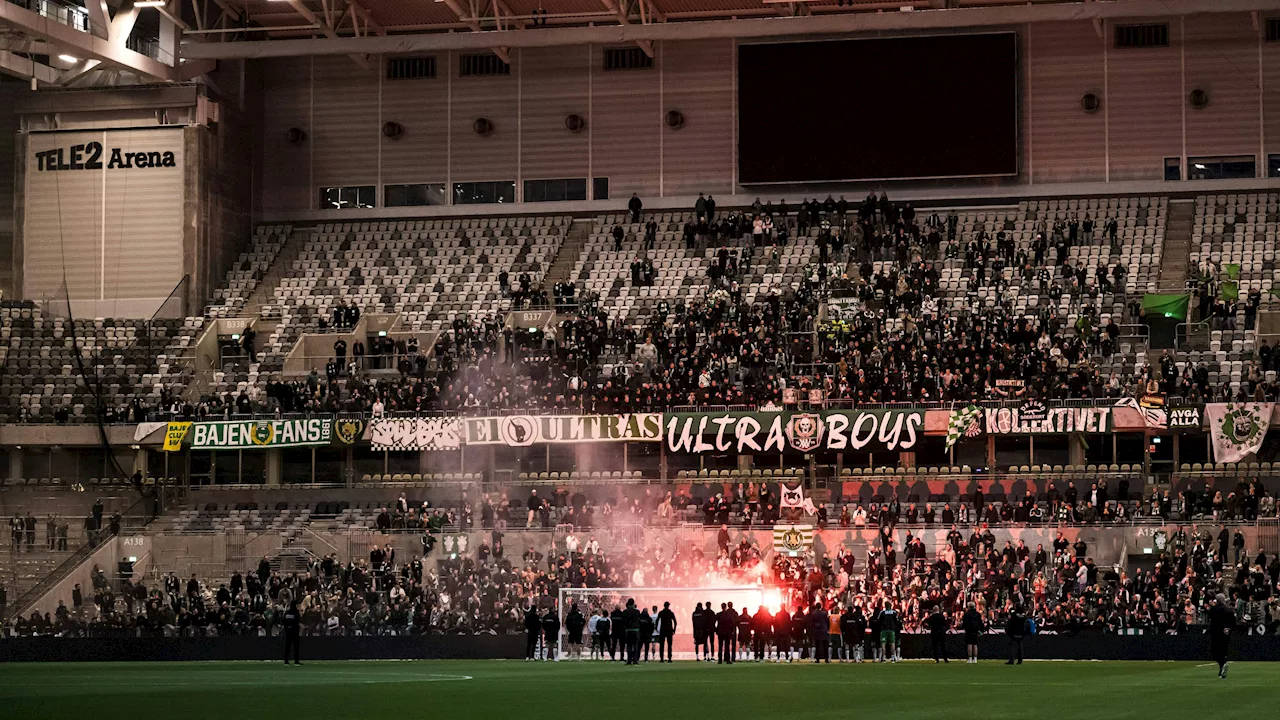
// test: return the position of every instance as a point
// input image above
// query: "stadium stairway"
(1177, 245)
(21, 571)
(567, 258)
(280, 268)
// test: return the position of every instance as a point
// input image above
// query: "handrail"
(60, 573)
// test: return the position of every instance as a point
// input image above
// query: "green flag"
(1232, 270)
(1229, 291)
(1274, 291)
(1170, 305)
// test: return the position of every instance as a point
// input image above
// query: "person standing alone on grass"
(972, 625)
(889, 626)
(292, 621)
(1016, 629)
(1221, 622)
(550, 634)
(533, 630)
(574, 624)
(937, 624)
(699, 633)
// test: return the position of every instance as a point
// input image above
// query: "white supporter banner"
(431, 433)
(1237, 429)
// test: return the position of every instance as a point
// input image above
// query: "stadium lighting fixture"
(1200, 166)
(69, 58)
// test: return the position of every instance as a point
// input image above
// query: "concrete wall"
(9, 92)
(1144, 118)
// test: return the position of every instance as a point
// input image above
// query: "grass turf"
(577, 690)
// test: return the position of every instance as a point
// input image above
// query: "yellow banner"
(174, 434)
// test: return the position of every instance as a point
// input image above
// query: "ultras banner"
(232, 435)
(525, 430)
(783, 431)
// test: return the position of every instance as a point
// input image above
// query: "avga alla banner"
(525, 430)
(232, 435)
(1033, 418)
(1186, 418)
(429, 433)
(772, 432)
(1237, 429)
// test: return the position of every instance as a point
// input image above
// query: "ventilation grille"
(627, 58)
(1155, 35)
(411, 68)
(483, 64)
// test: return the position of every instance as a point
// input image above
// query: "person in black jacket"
(782, 635)
(646, 632)
(292, 621)
(533, 631)
(973, 626)
(616, 635)
(551, 633)
(853, 631)
(666, 630)
(574, 623)
(727, 632)
(1221, 622)
(938, 626)
(1016, 629)
(634, 205)
(631, 632)
(820, 631)
(699, 633)
(761, 631)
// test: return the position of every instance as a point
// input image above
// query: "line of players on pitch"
(631, 633)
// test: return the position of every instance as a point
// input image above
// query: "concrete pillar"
(15, 463)
(275, 461)
(1075, 450)
(140, 457)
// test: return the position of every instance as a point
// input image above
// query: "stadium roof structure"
(79, 42)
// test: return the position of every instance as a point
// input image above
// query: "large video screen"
(909, 107)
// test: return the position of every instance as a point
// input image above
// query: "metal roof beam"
(824, 24)
(26, 68)
(85, 45)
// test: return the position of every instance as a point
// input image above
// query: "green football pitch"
(449, 690)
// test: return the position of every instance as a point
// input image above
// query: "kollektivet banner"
(249, 434)
(1033, 418)
(1237, 429)
(525, 430)
(772, 432)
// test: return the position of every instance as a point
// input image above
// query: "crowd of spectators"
(483, 590)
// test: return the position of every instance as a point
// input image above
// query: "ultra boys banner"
(525, 430)
(771, 432)
(249, 434)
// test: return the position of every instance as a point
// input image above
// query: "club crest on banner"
(805, 431)
(792, 540)
(263, 433)
(793, 497)
(349, 430)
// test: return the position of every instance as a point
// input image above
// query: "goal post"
(683, 601)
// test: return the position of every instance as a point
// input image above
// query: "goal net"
(683, 601)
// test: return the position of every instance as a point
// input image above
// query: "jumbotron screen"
(909, 107)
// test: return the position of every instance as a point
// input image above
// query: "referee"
(292, 621)
(1221, 622)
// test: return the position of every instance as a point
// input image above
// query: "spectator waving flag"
(964, 423)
